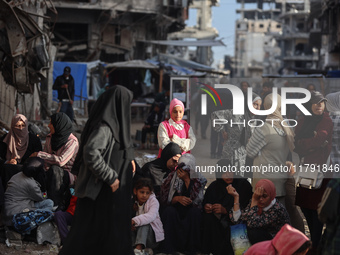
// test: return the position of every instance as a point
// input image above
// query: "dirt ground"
(142, 156)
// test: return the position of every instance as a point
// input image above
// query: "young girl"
(146, 226)
(176, 130)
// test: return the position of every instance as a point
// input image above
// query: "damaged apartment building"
(24, 57)
(116, 30)
(257, 31)
(283, 38)
(34, 33)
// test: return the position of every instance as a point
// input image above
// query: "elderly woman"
(59, 153)
(217, 203)
(264, 215)
(182, 194)
(16, 147)
(269, 146)
(313, 143)
(236, 136)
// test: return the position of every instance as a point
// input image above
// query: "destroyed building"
(114, 31)
(33, 34)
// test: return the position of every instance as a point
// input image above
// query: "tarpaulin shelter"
(81, 73)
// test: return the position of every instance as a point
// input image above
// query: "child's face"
(142, 194)
(177, 113)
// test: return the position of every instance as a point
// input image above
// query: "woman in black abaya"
(102, 223)
(217, 204)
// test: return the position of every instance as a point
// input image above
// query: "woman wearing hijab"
(158, 169)
(59, 153)
(102, 219)
(182, 196)
(235, 136)
(217, 203)
(176, 129)
(313, 142)
(269, 146)
(16, 147)
(333, 107)
(288, 241)
(264, 215)
(24, 192)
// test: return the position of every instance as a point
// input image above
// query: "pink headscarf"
(269, 187)
(17, 139)
(175, 102)
(287, 241)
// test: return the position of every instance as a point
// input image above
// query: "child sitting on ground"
(146, 226)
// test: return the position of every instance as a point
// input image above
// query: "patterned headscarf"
(17, 139)
(268, 101)
(173, 183)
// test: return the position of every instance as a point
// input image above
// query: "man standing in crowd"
(65, 86)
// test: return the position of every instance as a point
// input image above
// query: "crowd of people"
(165, 207)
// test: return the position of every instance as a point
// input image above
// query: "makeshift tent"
(132, 64)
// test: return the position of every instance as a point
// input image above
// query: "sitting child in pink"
(176, 130)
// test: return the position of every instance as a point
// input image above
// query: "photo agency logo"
(239, 104)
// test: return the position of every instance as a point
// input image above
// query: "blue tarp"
(79, 72)
(333, 74)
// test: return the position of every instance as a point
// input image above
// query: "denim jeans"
(46, 205)
(144, 235)
(66, 107)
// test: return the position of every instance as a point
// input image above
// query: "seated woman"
(182, 195)
(158, 169)
(24, 191)
(288, 241)
(217, 203)
(59, 153)
(264, 215)
(16, 147)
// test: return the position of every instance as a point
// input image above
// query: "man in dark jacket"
(65, 86)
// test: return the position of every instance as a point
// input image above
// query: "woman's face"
(319, 108)
(257, 104)
(177, 113)
(50, 126)
(228, 177)
(20, 125)
(264, 200)
(173, 162)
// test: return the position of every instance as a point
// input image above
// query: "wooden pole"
(160, 89)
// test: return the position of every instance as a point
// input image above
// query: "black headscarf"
(217, 192)
(172, 149)
(63, 128)
(112, 108)
(159, 165)
(310, 121)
